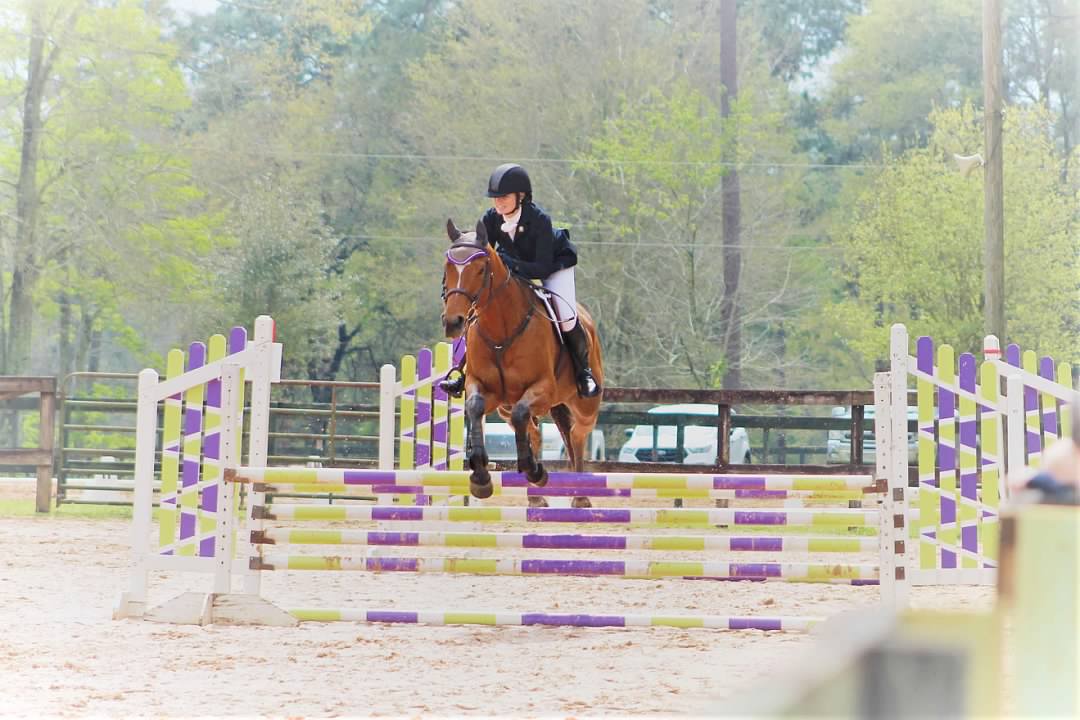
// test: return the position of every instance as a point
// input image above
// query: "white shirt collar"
(510, 222)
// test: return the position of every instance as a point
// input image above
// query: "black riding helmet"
(509, 178)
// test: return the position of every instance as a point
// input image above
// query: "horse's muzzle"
(453, 325)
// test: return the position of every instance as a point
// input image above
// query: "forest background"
(165, 175)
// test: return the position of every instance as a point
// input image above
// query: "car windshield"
(694, 435)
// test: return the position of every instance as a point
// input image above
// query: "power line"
(295, 154)
(619, 243)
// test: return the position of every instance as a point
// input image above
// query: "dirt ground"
(62, 655)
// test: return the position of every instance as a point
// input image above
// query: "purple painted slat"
(743, 517)
(208, 499)
(1012, 354)
(531, 491)
(574, 542)
(578, 515)
(762, 544)
(392, 564)
(969, 480)
(196, 358)
(423, 409)
(440, 430)
(393, 538)
(402, 513)
(573, 567)
(948, 457)
(754, 570)
(389, 616)
(924, 355)
(948, 510)
(755, 624)
(573, 620)
(237, 340)
(370, 477)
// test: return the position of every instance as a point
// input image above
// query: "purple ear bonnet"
(463, 254)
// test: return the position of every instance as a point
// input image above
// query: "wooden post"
(731, 201)
(993, 205)
(46, 433)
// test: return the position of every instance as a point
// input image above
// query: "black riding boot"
(454, 383)
(578, 344)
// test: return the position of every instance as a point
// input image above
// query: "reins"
(497, 348)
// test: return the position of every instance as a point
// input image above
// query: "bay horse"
(514, 362)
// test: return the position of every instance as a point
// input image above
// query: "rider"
(531, 248)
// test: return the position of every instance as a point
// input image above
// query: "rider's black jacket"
(537, 250)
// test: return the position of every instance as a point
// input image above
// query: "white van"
(699, 441)
(838, 446)
(501, 445)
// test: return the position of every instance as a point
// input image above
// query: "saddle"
(551, 310)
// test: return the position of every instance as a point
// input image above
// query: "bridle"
(498, 348)
(488, 275)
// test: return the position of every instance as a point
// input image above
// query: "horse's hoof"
(581, 502)
(481, 490)
(539, 478)
(537, 501)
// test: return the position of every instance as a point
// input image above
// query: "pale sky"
(196, 7)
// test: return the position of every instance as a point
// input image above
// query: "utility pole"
(993, 204)
(731, 210)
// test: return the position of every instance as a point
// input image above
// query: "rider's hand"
(511, 263)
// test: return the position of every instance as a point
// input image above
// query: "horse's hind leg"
(576, 455)
(579, 436)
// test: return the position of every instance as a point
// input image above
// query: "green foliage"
(902, 60)
(120, 219)
(279, 262)
(301, 158)
(798, 34)
(913, 252)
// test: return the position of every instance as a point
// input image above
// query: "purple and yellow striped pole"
(440, 617)
(556, 541)
(792, 496)
(836, 573)
(842, 517)
(571, 480)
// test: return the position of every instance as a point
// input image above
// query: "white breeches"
(562, 284)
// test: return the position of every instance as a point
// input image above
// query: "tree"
(913, 252)
(332, 88)
(798, 34)
(901, 61)
(103, 202)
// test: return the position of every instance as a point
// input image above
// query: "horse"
(514, 362)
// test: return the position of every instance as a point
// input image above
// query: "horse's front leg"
(475, 453)
(527, 434)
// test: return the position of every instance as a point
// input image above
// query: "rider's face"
(505, 204)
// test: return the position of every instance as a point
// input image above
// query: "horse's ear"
(481, 234)
(452, 231)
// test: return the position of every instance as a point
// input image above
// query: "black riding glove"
(511, 263)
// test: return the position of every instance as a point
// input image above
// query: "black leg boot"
(578, 344)
(454, 383)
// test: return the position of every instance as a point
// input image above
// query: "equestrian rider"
(523, 235)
